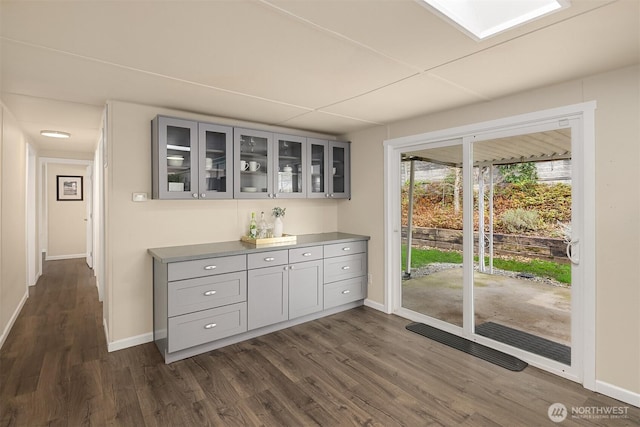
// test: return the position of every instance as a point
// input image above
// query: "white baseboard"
(375, 305)
(13, 318)
(128, 342)
(57, 257)
(618, 393)
(36, 279)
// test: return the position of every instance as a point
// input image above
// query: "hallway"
(359, 367)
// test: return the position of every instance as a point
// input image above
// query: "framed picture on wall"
(69, 187)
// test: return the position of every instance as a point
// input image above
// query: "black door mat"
(478, 350)
(526, 341)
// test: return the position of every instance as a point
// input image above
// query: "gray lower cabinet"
(206, 303)
(306, 294)
(268, 290)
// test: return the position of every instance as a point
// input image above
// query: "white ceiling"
(327, 66)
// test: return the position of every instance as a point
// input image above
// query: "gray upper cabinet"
(198, 160)
(329, 166)
(340, 173)
(216, 160)
(290, 168)
(190, 160)
(253, 164)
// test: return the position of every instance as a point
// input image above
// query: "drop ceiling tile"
(84, 81)
(240, 46)
(408, 31)
(421, 94)
(600, 40)
(318, 121)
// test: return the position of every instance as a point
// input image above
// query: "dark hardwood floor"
(359, 367)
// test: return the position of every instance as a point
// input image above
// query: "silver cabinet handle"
(210, 326)
(331, 195)
(209, 293)
(346, 292)
(326, 195)
(275, 195)
(203, 195)
(195, 195)
(269, 259)
(346, 248)
(209, 267)
(306, 254)
(291, 267)
(346, 267)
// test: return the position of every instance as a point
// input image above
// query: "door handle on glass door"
(573, 251)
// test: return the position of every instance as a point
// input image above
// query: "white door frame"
(89, 215)
(34, 267)
(585, 203)
(44, 212)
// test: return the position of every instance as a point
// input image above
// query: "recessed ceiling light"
(486, 18)
(55, 134)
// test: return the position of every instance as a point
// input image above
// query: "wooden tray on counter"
(285, 239)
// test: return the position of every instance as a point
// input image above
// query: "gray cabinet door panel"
(208, 325)
(187, 296)
(345, 291)
(340, 249)
(206, 267)
(311, 253)
(267, 296)
(305, 288)
(345, 267)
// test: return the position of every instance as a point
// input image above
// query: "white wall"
(618, 201)
(13, 250)
(66, 225)
(133, 227)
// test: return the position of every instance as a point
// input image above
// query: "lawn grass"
(552, 270)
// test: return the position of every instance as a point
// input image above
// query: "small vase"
(277, 227)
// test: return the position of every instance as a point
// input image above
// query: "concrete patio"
(534, 307)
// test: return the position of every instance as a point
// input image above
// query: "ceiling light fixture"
(55, 134)
(486, 18)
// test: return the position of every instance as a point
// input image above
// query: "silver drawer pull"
(306, 254)
(209, 293)
(347, 248)
(210, 326)
(269, 259)
(346, 267)
(346, 292)
(209, 267)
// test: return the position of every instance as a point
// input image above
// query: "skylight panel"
(486, 18)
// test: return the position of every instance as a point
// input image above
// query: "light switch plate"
(139, 197)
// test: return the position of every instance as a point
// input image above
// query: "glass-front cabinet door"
(290, 173)
(175, 158)
(253, 158)
(216, 161)
(340, 173)
(317, 166)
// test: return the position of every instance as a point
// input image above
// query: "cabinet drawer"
(345, 291)
(340, 249)
(187, 296)
(205, 326)
(206, 267)
(268, 259)
(305, 254)
(345, 267)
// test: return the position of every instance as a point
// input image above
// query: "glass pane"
(338, 170)
(432, 281)
(179, 161)
(522, 223)
(289, 167)
(216, 161)
(317, 168)
(254, 164)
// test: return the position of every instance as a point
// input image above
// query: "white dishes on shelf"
(249, 189)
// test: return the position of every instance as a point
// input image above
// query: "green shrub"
(519, 220)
